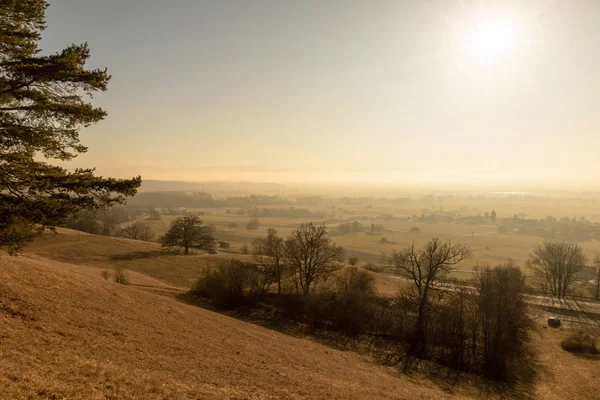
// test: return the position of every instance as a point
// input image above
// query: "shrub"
(105, 274)
(374, 268)
(581, 343)
(353, 308)
(353, 261)
(231, 284)
(415, 229)
(121, 276)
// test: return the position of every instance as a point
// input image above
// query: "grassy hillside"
(144, 257)
(107, 252)
(67, 333)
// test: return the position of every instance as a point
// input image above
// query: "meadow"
(401, 229)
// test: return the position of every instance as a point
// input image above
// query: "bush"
(253, 223)
(353, 261)
(154, 215)
(352, 310)
(121, 276)
(374, 268)
(581, 343)
(231, 284)
(105, 274)
(415, 229)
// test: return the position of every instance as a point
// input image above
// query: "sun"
(492, 39)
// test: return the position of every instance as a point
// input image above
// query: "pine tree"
(43, 105)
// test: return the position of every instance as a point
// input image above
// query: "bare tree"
(312, 255)
(138, 230)
(423, 268)
(597, 265)
(188, 233)
(504, 320)
(268, 252)
(556, 265)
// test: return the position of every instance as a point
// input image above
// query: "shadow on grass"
(526, 370)
(139, 255)
(267, 316)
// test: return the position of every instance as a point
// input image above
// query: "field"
(488, 246)
(68, 333)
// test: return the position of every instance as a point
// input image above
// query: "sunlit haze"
(378, 93)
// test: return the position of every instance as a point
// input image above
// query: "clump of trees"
(188, 233)
(232, 283)
(480, 328)
(253, 223)
(350, 227)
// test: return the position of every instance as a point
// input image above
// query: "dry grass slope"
(67, 333)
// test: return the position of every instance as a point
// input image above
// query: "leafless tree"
(137, 230)
(312, 255)
(504, 320)
(556, 265)
(597, 265)
(423, 268)
(268, 252)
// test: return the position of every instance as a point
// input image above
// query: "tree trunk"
(279, 285)
(186, 250)
(306, 289)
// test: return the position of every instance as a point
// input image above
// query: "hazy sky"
(371, 91)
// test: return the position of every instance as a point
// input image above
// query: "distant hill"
(215, 188)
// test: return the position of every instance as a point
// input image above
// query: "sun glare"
(491, 40)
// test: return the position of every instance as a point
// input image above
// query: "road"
(587, 311)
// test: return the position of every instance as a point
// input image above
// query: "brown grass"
(133, 255)
(68, 333)
(65, 332)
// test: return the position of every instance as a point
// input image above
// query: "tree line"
(480, 329)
